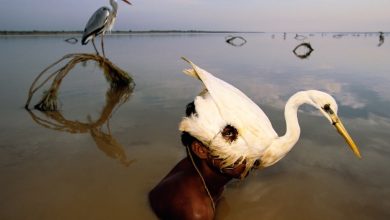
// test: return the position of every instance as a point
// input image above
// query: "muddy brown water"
(105, 172)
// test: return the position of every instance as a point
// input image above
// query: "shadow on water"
(49, 116)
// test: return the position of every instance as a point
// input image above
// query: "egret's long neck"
(291, 115)
(281, 146)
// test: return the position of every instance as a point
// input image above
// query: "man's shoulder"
(194, 210)
(179, 197)
(184, 207)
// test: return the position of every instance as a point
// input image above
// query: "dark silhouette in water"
(71, 40)
(381, 39)
(236, 41)
(300, 37)
(300, 52)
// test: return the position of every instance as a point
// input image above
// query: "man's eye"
(229, 133)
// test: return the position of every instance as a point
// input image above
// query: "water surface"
(51, 172)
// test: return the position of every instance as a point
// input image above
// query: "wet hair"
(186, 138)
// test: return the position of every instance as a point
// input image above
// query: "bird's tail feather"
(84, 40)
(190, 72)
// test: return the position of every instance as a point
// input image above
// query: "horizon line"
(19, 32)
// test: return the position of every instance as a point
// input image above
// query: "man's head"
(200, 151)
(226, 121)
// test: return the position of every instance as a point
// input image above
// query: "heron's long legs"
(104, 55)
(94, 46)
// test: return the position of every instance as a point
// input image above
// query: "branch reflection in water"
(104, 140)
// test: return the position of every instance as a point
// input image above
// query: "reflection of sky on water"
(320, 175)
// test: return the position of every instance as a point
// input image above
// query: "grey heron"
(101, 21)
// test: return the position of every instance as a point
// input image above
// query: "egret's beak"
(127, 2)
(343, 132)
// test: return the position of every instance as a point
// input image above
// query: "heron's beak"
(127, 2)
(343, 132)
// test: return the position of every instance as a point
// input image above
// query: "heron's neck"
(281, 146)
(114, 6)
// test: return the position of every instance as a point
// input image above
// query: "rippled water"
(51, 170)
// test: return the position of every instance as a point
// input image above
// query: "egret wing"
(237, 108)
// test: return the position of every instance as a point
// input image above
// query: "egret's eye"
(229, 133)
(327, 109)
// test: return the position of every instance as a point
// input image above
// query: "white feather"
(222, 104)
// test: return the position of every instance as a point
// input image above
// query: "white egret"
(101, 21)
(236, 130)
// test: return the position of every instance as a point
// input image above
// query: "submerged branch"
(303, 50)
(236, 41)
(113, 74)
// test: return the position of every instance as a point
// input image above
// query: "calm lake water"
(51, 170)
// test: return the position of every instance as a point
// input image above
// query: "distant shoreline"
(40, 33)
(36, 32)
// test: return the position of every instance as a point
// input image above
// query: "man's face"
(235, 171)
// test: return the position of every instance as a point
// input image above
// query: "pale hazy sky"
(239, 15)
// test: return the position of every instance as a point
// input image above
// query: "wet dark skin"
(181, 193)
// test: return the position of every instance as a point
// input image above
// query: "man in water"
(218, 132)
(192, 189)
(226, 135)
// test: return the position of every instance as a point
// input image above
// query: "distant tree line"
(40, 32)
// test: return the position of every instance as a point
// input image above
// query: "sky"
(219, 15)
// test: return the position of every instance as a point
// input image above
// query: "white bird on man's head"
(100, 22)
(236, 130)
